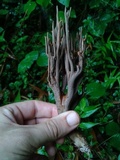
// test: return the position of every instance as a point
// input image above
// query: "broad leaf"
(29, 7)
(42, 60)
(73, 14)
(64, 2)
(42, 151)
(94, 4)
(18, 97)
(89, 111)
(61, 16)
(115, 141)
(43, 3)
(2, 39)
(118, 3)
(27, 61)
(95, 90)
(1, 29)
(81, 106)
(112, 128)
(87, 125)
(22, 39)
(119, 157)
(3, 11)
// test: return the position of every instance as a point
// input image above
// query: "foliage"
(23, 63)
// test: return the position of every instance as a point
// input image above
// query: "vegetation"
(23, 65)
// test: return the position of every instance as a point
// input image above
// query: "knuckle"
(53, 129)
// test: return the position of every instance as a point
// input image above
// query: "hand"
(26, 126)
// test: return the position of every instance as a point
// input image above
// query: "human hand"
(26, 126)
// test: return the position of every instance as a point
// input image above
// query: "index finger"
(32, 109)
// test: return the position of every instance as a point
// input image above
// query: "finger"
(60, 141)
(51, 149)
(36, 121)
(28, 110)
(53, 129)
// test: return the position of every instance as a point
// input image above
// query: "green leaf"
(94, 3)
(112, 128)
(119, 157)
(65, 147)
(43, 3)
(90, 39)
(42, 151)
(61, 16)
(1, 29)
(81, 106)
(18, 97)
(22, 39)
(115, 141)
(93, 26)
(95, 90)
(27, 61)
(64, 2)
(29, 7)
(73, 14)
(87, 125)
(2, 39)
(42, 60)
(118, 3)
(111, 79)
(3, 11)
(89, 111)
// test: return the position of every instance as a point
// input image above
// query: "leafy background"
(23, 64)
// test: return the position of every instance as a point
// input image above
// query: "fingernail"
(72, 119)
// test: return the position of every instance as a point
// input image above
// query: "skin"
(28, 125)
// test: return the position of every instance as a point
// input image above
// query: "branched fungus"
(65, 65)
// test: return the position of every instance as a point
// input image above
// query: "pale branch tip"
(65, 62)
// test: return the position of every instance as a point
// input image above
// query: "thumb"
(55, 128)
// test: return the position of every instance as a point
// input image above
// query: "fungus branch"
(65, 56)
(65, 65)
